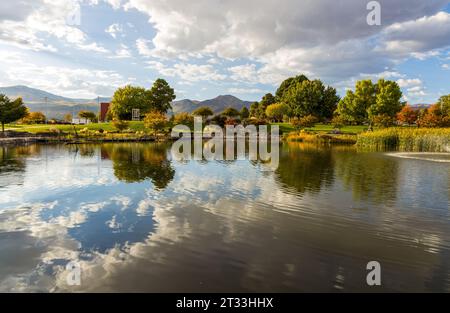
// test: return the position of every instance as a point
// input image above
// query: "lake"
(133, 219)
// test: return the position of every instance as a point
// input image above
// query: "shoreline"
(12, 141)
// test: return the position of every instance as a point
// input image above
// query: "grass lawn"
(139, 126)
(38, 128)
(323, 128)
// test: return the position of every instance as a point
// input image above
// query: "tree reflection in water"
(133, 163)
(369, 176)
(13, 165)
(305, 167)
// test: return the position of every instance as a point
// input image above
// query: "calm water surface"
(135, 220)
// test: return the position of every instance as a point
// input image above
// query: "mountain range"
(55, 106)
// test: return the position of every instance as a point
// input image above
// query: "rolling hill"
(52, 105)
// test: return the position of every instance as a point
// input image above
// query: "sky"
(206, 48)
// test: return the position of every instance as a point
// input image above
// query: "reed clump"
(407, 139)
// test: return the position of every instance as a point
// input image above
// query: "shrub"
(120, 125)
(338, 122)
(304, 122)
(383, 120)
(155, 121)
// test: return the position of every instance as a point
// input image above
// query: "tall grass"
(407, 139)
(304, 136)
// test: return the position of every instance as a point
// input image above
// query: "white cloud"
(246, 72)
(92, 47)
(45, 18)
(319, 38)
(114, 29)
(409, 82)
(416, 91)
(265, 41)
(418, 37)
(116, 4)
(228, 29)
(122, 53)
(245, 90)
(188, 72)
(143, 48)
(67, 81)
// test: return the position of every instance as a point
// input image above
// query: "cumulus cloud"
(418, 37)
(44, 17)
(414, 89)
(188, 72)
(320, 38)
(409, 82)
(74, 82)
(228, 26)
(252, 42)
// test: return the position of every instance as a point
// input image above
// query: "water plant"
(407, 139)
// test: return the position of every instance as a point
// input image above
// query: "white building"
(81, 121)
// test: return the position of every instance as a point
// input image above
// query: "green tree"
(161, 96)
(329, 102)
(244, 113)
(387, 104)
(127, 98)
(183, 118)
(254, 107)
(444, 104)
(87, 115)
(11, 111)
(155, 121)
(204, 112)
(276, 111)
(286, 84)
(267, 100)
(230, 112)
(353, 108)
(311, 98)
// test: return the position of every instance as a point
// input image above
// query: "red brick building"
(104, 107)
